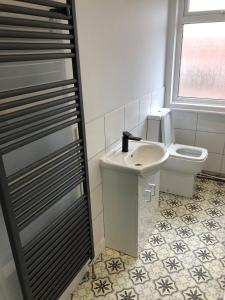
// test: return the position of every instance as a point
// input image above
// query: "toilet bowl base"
(177, 183)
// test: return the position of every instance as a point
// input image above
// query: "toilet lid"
(168, 137)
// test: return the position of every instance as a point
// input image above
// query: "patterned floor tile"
(127, 294)
(193, 207)
(204, 255)
(156, 240)
(169, 214)
(114, 265)
(163, 226)
(194, 293)
(184, 232)
(211, 224)
(172, 264)
(139, 275)
(189, 219)
(221, 281)
(200, 274)
(179, 247)
(101, 286)
(165, 286)
(214, 212)
(148, 256)
(183, 259)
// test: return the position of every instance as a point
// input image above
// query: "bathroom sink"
(143, 157)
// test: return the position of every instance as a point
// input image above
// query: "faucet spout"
(125, 140)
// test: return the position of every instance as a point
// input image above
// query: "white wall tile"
(98, 229)
(213, 163)
(185, 120)
(142, 130)
(114, 125)
(135, 131)
(211, 123)
(94, 170)
(131, 115)
(95, 133)
(158, 98)
(185, 137)
(96, 201)
(214, 142)
(223, 165)
(145, 105)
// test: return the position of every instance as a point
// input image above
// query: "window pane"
(202, 73)
(205, 5)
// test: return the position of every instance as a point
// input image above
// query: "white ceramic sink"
(143, 157)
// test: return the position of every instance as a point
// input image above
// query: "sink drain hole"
(138, 165)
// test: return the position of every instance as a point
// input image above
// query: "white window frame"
(178, 16)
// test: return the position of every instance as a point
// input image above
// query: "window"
(199, 60)
(206, 5)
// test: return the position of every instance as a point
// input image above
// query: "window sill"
(204, 108)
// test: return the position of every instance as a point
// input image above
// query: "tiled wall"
(205, 130)
(105, 132)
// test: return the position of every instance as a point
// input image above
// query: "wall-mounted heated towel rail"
(34, 30)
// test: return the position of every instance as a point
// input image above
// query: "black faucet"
(125, 139)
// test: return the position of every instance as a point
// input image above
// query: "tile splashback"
(203, 130)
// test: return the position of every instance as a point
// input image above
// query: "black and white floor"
(184, 258)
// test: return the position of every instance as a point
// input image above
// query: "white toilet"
(178, 173)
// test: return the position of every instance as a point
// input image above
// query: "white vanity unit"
(131, 194)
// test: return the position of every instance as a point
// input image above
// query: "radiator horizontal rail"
(62, 255)
(19, 34)
(36, 108)
(23, 195)
(33, 12)
(33, 23)
(40, 117)
(36, 88)
(54, 294)
(11, 137)
(68, 234)
(37, 164)
(34, 46)
(54, 232)
(35, 99)
(32, 57)
(37, 136)
(60, 271)
(67, 158)
(50, 200)
(49, 3)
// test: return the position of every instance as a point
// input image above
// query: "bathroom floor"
(184, 258)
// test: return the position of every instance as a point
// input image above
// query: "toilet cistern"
(125, 140)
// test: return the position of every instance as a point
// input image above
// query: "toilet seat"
(188, 152)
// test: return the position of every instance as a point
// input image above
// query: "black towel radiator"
(50, 260)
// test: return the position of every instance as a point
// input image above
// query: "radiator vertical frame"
(66, 12)
(81, 125)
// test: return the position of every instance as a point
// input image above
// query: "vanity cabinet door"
(148, 207)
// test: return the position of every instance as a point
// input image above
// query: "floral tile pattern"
(165, 286)
(138, 275)
(148, 256)
(200, 274)
(183, 258)
(114, 265)
(172, 264)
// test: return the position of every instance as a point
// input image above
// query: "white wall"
(122, 52)
(205, 130)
